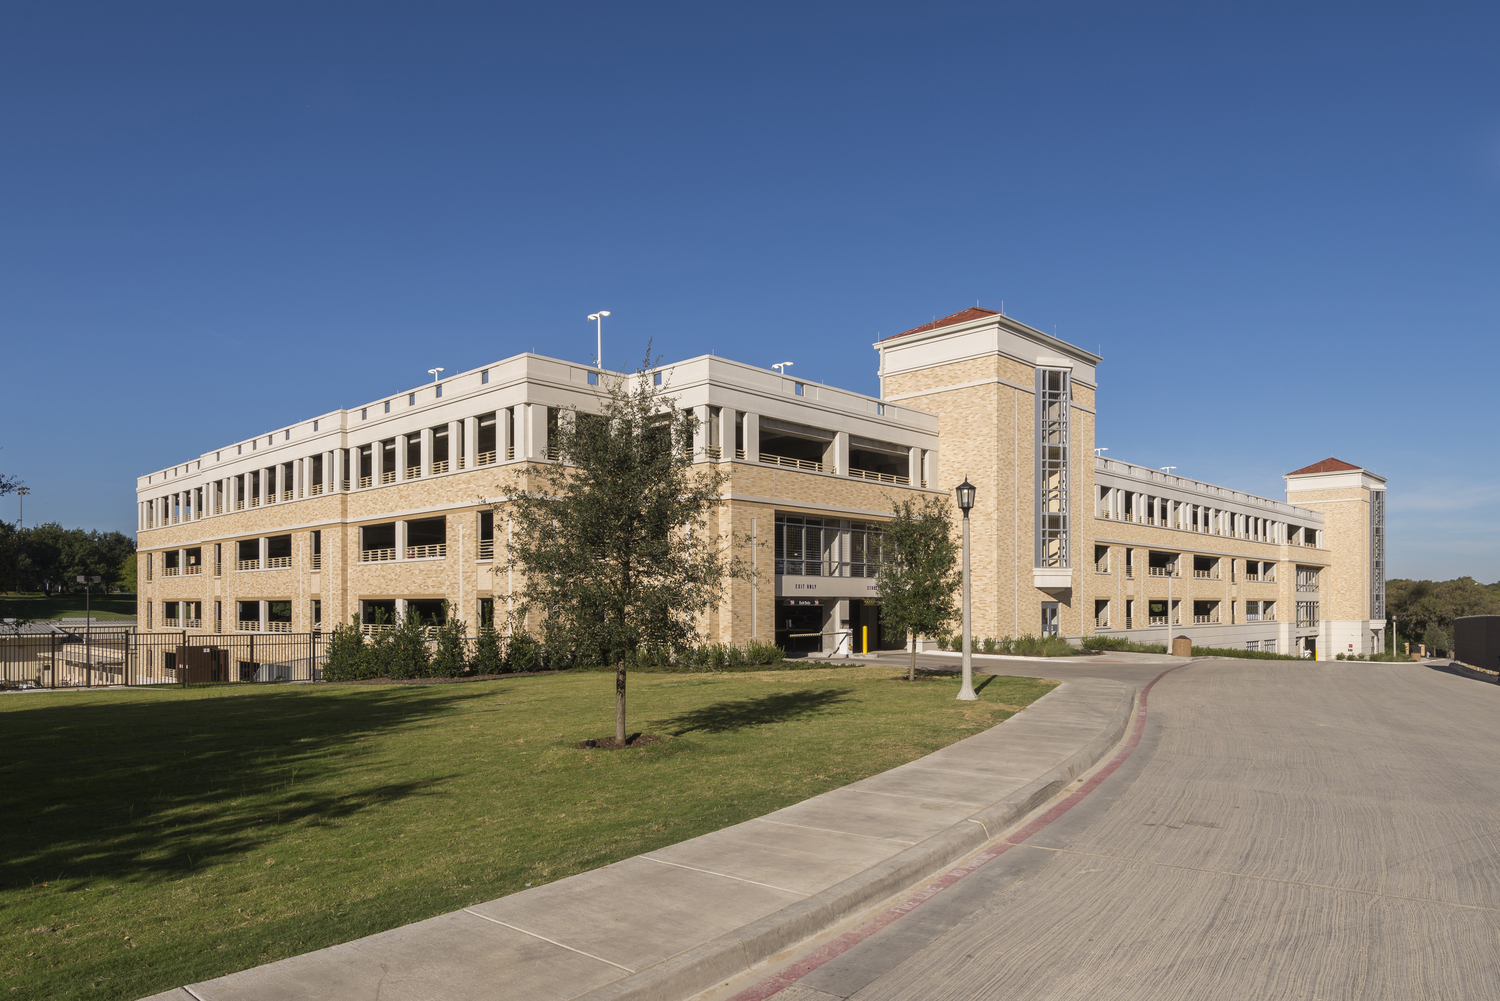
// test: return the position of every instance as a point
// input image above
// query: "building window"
(1307, 578)
(798, 388)
(439, 390)
(288, 436)
(1307, 614)
(149, 561)
(364, 412)
(484, 377)
(1101, 613)
(593, 378)
(1049, 618)
(218, 616)
(218, 456)
(1052, 448)
(1377, 554)
(317, 615)
(411, 399)
(657, 378)
(315, 425)
(387, 406)
(880, 408)
(486, 613)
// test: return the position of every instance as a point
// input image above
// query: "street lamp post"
(435, 372)
(21, 492)
(88, 628)
(965, 502)
(598, 319)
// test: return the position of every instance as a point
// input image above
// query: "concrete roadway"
(1282, 830)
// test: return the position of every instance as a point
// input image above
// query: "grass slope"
(39, 608)
(158, 838)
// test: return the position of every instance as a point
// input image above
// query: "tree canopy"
(50, 557)
(1424, 610)
(614, 541)
(919, 575)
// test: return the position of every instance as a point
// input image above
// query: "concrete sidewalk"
(678, 920)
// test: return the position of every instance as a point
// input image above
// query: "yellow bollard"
(865, 630)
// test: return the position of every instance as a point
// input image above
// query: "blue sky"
(1278, 224)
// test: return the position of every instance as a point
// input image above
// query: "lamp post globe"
(966, 495)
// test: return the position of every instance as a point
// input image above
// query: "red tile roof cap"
(1329, 465)
(962, 316)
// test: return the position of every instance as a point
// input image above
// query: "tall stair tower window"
(1053, 391)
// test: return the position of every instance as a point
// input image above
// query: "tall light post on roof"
(966, 494)
(598, 319)
(434, 372)
(781, 367)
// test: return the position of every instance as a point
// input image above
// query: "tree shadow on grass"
(737, 714)
(127, 788)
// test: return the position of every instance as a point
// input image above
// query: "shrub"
(1121, 643)
(348, 659)
(1040, 646)
(487, 656)
(408, 656)
(1211, 651)
(942, 642)
(450, 658)
(522, 653)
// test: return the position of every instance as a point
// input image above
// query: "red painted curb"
(779, 982)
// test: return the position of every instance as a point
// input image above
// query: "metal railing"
(1162, 572)
(247, 564)
(278, 562)
(1206, 574)
(1102, 623)
(317, 561)
(170, 623)
(510, 452)
(439, 467)
(714, 452)
(377, 555)
(192, 571)
(193, 624)
(429, 552)
(413, 472)
(1102, 566)
(739, 453)
(552, 453)
(486, 549)
(317, 488)
(247, 626)
(287, 495)
(278, 627)
(255, 502)
(169, 571)
(1129, 575)
(782, 460)
(485, 458)
(1202, 620)
(866, 474)
(1129, 622)
(388, 476)
(365, 481)
(105, 656)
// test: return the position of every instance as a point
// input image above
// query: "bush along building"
(388, 509)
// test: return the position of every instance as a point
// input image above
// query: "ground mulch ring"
(611, 744)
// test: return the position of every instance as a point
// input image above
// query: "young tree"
(919, 576)
(613, 540)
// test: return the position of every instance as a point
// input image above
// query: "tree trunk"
(620, 703)
(911, 675)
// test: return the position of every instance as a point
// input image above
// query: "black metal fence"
(98, 657)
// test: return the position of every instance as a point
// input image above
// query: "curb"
(712, 963)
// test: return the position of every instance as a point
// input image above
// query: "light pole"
(1172, 573)
(965, 502)
(434, 372)
(781, 367)
(88, 627)
(21, 492)
(598, 319)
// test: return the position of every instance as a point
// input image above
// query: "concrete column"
(726, 433)
(426, 456)
(400, 540)
(536, 431)
(914, 467)
(700, 436)
(932, 471)
(377, 463)
(471, 442)
(456, 451)
(400, 610)
(752, 437)
(401, 460)
(265, 609)
(506, 423)
(836, 455)
(265, 546)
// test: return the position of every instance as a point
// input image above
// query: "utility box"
(201, 665)
(1182, 646)
(1476, 641)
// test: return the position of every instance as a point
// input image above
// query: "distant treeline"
(1424, 610)
(50, 558)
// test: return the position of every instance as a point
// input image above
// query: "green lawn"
(157, 838)
(67, 606)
